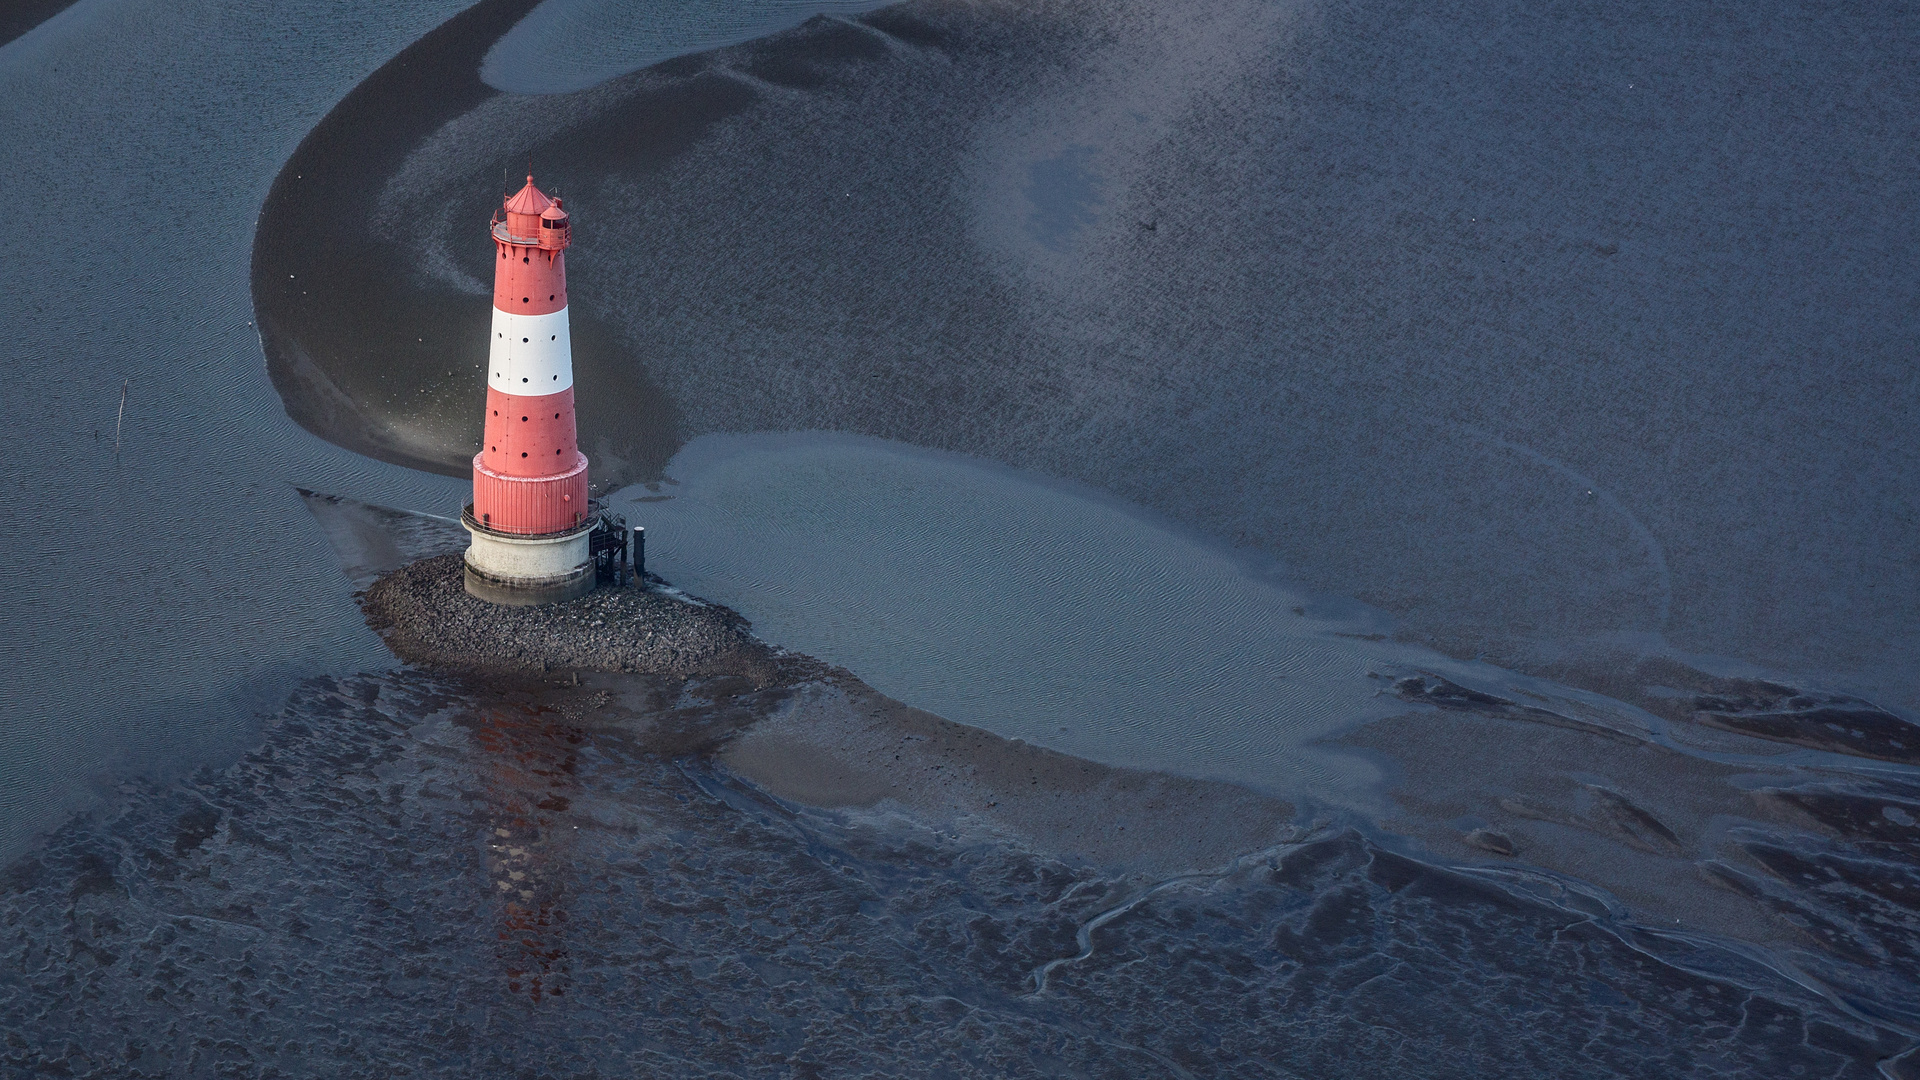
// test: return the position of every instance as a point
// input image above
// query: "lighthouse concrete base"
(521, 571)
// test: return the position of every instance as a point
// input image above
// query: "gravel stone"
(427, 617)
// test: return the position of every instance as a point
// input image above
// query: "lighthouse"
(529, 517)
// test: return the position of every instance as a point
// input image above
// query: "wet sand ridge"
(804, 731)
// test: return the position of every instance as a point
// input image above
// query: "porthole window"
(556, 451)
(556, 416)
(551, 295)
(553, 337)
(525, 259)
(524, 380)
(523, 341)
(523, 453)
(523, 419)
(526, 300)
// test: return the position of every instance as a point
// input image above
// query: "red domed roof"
(529, 200)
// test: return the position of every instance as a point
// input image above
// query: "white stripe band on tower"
(531, 354)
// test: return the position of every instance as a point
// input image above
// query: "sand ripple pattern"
(406, 882)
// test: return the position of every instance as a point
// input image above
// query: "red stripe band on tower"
(531, 506)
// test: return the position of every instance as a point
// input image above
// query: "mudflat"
(687, 676)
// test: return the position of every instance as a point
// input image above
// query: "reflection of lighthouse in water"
(533, 757)
(529, 518)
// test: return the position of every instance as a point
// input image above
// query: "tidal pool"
(1036, 609)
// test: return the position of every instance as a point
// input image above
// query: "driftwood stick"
(121, 419)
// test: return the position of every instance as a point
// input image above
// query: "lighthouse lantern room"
(529, 517)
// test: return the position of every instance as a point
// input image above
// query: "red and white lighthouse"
(529, 518)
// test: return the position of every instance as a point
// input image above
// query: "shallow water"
(1038, 609)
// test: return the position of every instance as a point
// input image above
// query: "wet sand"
(806, 732)
(415, 875)
(1690, 823)
(843, 744)
(1682, 820)
(601, 871)
(1620, 820)
(1633, 818)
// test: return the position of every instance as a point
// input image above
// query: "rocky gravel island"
(427, 617)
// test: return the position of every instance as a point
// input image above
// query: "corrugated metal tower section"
(530, 478)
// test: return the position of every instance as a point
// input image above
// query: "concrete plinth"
(521, 571)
